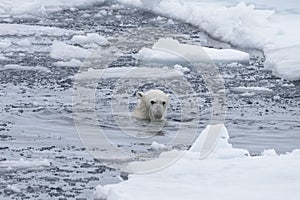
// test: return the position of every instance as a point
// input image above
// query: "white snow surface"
(13, 188)
(71, 63)
(252, 89)
(181, 68)
(27, 30)
(39, 7)
(23, 164)
(215, 55)
(24, 68)
(157, 146)
(3, 58)
(4, 44)
(227, 173)
(128, 72)
(89, 38)
(63, 51)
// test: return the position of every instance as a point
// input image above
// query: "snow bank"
(157, 146)
(13, 188)
(181, 69)
(216, 55)
(128, 72)
(4, 44)
(248, 94)
(276, 33)
(27, 30)
(71, 63)
(285, 62)
(257, 90)
(62, 51)
(90, 38)
(38, 7)
(24, 43)
(24, 68)
(3, 58)
(227, 173)
(23, 164)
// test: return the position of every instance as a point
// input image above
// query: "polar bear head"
(152, 105)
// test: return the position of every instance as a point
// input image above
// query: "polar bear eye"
(164, 103)
(152, 102)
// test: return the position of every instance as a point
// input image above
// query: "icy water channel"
(36, 107)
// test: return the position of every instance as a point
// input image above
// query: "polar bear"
(152, 105)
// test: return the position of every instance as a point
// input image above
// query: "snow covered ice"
(89, 38)
(20, 67)
(72, 63)
(216, 55)
(228, 173)
(274, 32)
(19, 164)
(62, 51)
(48, 48)
(27, 30)
(157, 146)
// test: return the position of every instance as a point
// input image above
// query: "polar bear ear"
(139, 94)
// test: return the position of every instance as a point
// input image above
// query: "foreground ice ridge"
(227, 173)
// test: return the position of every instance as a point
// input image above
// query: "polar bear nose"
(158, 116)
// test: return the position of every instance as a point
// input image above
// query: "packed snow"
(128, 72)
(250, 90)
(89, 38)
(23, 164)
(181, 68)
(157, 146)
(72, 63)
(24, 42)
(248, 94)
(24, 68)
(27, 30)
(3, 58)
(63, 51)
(40, 7)
(216, 55)
(4, 44)
(283, 62)
(13, 188)
(227, 173)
